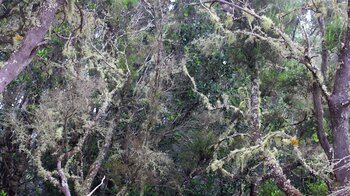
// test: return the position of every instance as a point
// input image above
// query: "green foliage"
(202, 144)
(128, 3)
(270, 189)
(334, 31)
(43, 53)
(163, 137)
(318, 188)
(3, 193)
(314, 138)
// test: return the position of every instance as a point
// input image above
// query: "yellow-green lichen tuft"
(266, 22)
(250, 17)
(217, 164)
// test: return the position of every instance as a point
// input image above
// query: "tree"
(151, 97)
(337, 100)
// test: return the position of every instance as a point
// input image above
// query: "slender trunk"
(317, 95)
(95, 167)
(276, 170)
(324, 52)
(318, 109)
(254, 189)
(339, 123)
(255, 105)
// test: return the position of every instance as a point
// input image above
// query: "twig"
(97, 186)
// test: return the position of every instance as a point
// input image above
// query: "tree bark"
(318, 109)
(339, 113)
(317, 95)
(277, 174)
(24, 55)
(255, 105)
(280, 178)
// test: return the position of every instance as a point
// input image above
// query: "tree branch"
(295, 49)
(24, 55)
(64, 182)
(97, 186)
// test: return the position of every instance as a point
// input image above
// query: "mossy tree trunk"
(276, 171)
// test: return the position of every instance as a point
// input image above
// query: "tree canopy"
(174, 97)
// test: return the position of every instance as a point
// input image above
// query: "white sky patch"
(172, 5)
(307, 19)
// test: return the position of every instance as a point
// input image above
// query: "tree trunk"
(24, 55)
(317, 95)
(255, 105)
(318, 109)
(339, 122)
(277, 173)
(339, 112)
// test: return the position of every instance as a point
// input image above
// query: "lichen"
(230, 37)
(216, 164)
(266, 22)
(69, 50)
(228, 20)
(246, 13)
(70, 9)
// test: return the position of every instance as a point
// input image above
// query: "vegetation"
(150, 97)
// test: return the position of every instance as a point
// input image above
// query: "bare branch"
(97, 186)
